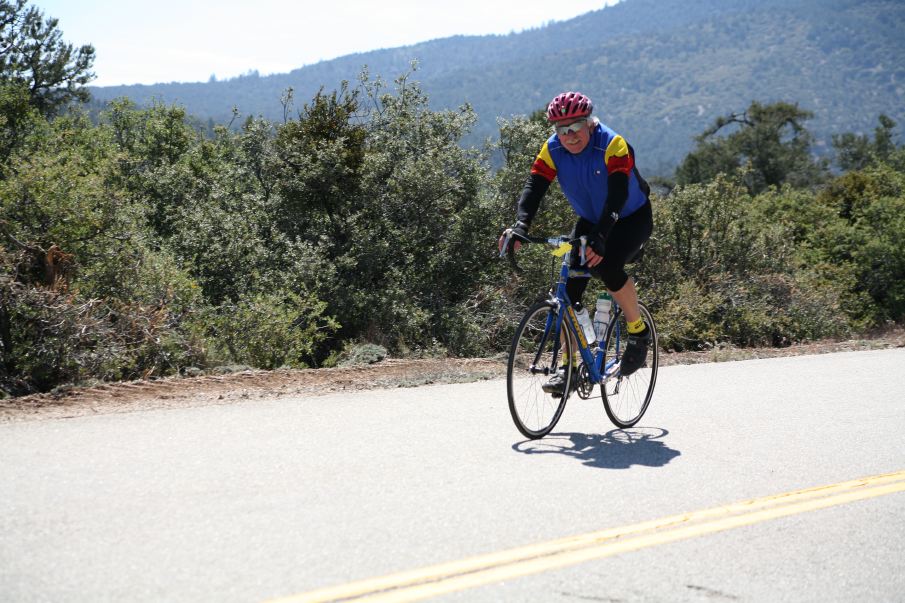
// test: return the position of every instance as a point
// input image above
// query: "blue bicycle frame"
(593, 359)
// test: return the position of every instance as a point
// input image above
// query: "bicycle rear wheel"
(626, 399)
(534, 358)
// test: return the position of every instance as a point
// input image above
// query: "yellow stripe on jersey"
(544, 156)
(544, 164)
(617, 157)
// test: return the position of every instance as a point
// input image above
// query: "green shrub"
(864, 243)
(758, 310)
(272, 330)
(361, 354)
(719, 270)
(50, 338)
(137, 247)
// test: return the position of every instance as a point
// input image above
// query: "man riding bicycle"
(597, 174)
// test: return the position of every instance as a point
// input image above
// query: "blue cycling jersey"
(584, 176)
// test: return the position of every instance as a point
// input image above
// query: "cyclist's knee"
(614, 277)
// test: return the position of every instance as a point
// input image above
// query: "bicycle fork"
(614, 365)
(557, 350)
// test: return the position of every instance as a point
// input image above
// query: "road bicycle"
(539, 350)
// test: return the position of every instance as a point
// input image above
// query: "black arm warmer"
(535, 188)
(617, 195)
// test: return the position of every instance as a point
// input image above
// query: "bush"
(86, 296)
(718, 272)
(137, 247)
(361, 354)
(758, 310)
(272, 330)
(863, 242)
(50, 337)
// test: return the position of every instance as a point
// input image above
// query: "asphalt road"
(263, 500)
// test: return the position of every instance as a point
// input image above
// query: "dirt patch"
(174, 392)
(180, 392)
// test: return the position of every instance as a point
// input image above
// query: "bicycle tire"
(534, 358)
(626, 399)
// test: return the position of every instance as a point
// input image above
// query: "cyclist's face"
(575, 142)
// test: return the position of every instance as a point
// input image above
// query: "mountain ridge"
(660, 71)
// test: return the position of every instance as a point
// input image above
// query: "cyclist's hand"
(593, 258)
(519, 229)
(513, 242)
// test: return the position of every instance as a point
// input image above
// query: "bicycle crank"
(584, 385)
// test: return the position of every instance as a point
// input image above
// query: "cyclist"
(597, 174)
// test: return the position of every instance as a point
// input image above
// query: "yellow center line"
(485, 569)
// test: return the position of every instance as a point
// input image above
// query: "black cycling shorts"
(625, 240)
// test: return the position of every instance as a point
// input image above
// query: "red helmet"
(569, 105)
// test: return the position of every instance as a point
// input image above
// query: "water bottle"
(602, 314)
(584, 319)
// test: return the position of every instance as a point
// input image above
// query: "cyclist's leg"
(579, 275)
(627, 298)
(625, 240)
(575, 287)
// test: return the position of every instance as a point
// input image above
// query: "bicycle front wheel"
(536, 355)
(626, 399)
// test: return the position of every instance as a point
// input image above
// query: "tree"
(770, 141)
(858, 152)
(33, 55)
(17, 119)
(83, 292)
(320, 156)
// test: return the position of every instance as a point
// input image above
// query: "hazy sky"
(189, 40)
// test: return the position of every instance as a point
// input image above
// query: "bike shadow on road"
(616, 449)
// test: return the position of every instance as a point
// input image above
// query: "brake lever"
(509, 251)
(505, 248)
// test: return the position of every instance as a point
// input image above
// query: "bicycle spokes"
(536, 356)
(626, 398)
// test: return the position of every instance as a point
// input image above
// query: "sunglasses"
(571, 128)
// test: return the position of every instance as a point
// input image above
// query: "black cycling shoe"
(635, 355)
(557, 385)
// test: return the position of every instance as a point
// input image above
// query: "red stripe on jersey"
(543, 169)
(620, 164)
